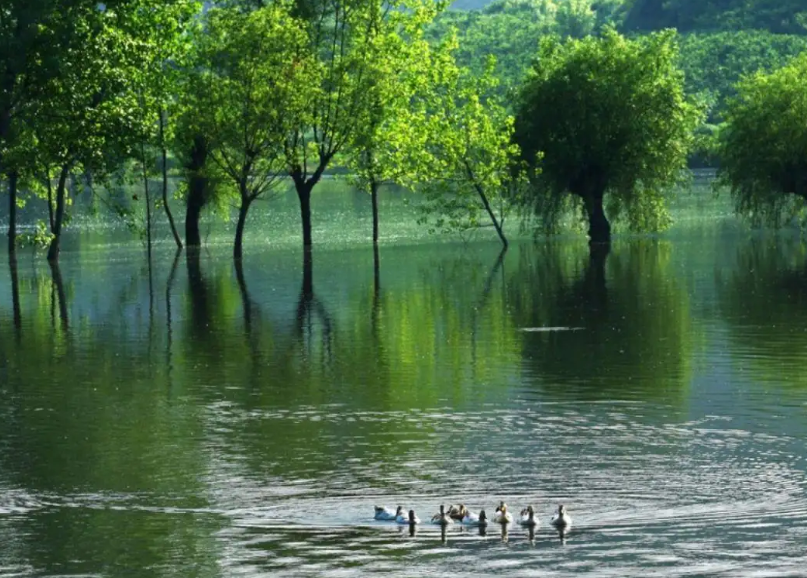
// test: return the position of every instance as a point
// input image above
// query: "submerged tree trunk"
(50, 198)
(481, 192)
(166, 206)
(374, 185)
(304, 195)
(12, 212)
(197, 192)
(304, 187)
(147, 194)
(246, 201)
(599, 230)
(54, 248)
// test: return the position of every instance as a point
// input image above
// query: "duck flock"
(561, 520)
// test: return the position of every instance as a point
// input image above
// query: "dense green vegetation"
(605, 116)
(763, 148)
(244, 95)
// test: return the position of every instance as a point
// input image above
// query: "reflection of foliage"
(633, 317)
(764, 303)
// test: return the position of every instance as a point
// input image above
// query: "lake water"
(204, 421)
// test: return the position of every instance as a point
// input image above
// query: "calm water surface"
(206, 421)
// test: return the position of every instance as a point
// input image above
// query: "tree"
(474, 168)
(161, 30)
(391, 141)
(255, 78)
(86, 112)
(342, 35)
(763, 145)
(780, 16)
(714, 62)
(606, 115)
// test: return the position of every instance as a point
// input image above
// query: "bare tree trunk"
(197, 192)
(599, 229)
(481, 192)
(238, 252)
(304, 187)
(148, 201)
(374, 185)
(167, 208)
(53, 249)
(12, 212)
(50, 198)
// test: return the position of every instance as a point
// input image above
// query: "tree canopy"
(763, 146)
(606, 115)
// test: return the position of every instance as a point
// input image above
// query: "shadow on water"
(601, 324)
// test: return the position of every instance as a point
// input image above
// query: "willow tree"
(763, 145)
(254, 82)
(604, 116)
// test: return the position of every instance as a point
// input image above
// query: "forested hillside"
(780, 16)
(720, 40)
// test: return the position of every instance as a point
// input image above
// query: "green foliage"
(40, 237)
(714, 62)
(763, 145)
(780, 16)
(474, 173)
(608, 115)
(253, 84)
(388, 144)
(510, 30)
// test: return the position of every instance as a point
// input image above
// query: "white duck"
(385, 514)
(441, 517)
(528, 517)
(471, 519)
(501, 515)
(562, 519)
(411, 519)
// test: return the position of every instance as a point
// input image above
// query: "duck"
(441, 517)
(501, 515)
(562, 519)
(457, 512)
(411, 519)
(528, 517)
(471, 519)
(385, 514)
